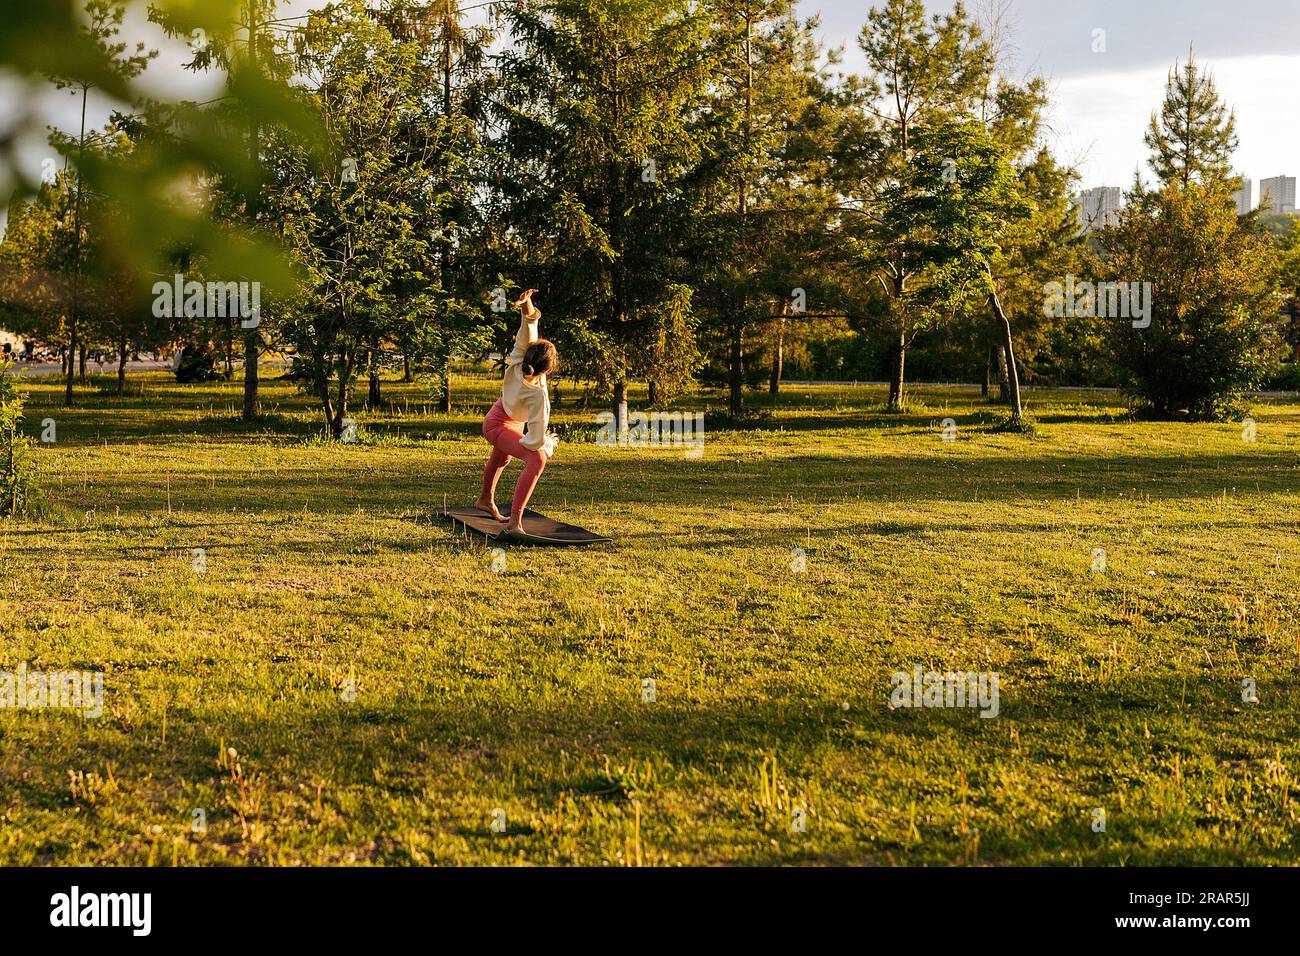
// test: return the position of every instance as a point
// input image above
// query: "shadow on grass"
(1092, 740)
(668, 485)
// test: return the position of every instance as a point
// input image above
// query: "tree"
(121, 311)
(775, 101)
(921, 73)
(955, 205)
(454, 58)
(1045, 242)
(15, 448)
(251, 48)
(1213, 329)
(103, 23)
(349, 213)
(153, 224)
(604, 160)
(1042, 245)
(1289, 283)
(1194, 135)
(36, 264)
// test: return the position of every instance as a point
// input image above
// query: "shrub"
(1213, 329)
(1286, 378)
(15, 448)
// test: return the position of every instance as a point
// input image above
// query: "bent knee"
(537, 461)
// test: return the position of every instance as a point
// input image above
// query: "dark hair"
(541, 358)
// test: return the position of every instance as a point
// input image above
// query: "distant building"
(1242, 197)
(1099, 207)
(1278, 193)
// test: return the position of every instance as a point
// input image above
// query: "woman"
(524, 401)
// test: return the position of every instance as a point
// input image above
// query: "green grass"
(522, 690)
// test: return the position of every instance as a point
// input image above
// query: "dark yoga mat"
(538, 529)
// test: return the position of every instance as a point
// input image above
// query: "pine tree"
(1214, 328)
(1194, 135)
(605, 158)
(445, 316)
(774, 98)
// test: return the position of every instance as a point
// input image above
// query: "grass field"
(517, 697)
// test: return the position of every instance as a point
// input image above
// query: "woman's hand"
(525, 304)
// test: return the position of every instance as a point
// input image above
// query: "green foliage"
(950, 210)
(1194, 135)
(668, 174)
(350, 213)
(16, 466)
(766, 219)
(1288, 261)
(603, 164)
(1213, 330)
(35, 262)
(924, 74)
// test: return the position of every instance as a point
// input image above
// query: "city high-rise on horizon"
(1278, 193)
(1099, 207)
(1242, 197)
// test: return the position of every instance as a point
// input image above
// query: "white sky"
(1102, 102)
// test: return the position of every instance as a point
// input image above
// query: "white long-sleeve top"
(526, 401)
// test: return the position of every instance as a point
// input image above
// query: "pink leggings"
(504, 434)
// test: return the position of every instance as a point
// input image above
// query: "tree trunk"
(1013, 378)
(373, 398)
(736, 398)
(1004, 384)
(230, 349)
(76, 262)
(620, 407)
(252, 404)
(341, 400)
(444, 387)
(252, 339)
(654, 392)
(778, 354)
(988, 372)
(121, 363)
(897, 372)
(444, 396)
(323, 391)
(81, 363)
(407, 377)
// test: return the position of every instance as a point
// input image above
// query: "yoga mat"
(538, 529)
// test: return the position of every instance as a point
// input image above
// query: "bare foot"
(490, 507)
(514, 528)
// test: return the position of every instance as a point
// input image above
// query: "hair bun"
(528, 369)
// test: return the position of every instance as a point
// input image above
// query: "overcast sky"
(1101, 101)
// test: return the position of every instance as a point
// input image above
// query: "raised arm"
(529, 314)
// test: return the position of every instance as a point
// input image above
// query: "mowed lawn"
(498, 718)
